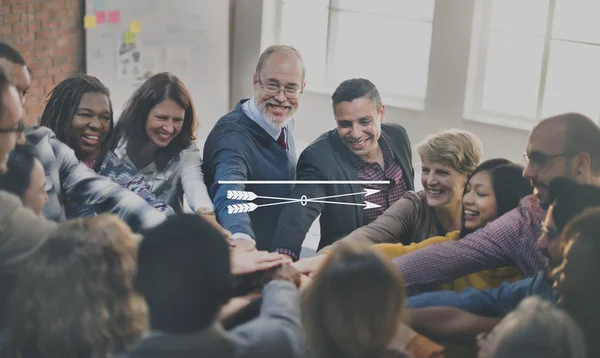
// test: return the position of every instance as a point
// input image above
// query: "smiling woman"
(156, 135)
(79, 111)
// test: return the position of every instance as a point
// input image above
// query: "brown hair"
(354, 305)
(75, 296)
(132, 123)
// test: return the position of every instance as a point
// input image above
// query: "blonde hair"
(354, 305)
(457, 148)
(262, 60)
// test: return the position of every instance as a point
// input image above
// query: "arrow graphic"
(249, 196)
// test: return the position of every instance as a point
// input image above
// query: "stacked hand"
(310, 265)
(244, 262)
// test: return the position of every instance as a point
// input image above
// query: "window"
(386, 41)
(532, 59)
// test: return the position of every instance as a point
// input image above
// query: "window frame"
(480, 34)
(328, 84)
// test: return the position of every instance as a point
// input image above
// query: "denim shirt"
(493, 302)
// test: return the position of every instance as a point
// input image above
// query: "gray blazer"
(276, 332)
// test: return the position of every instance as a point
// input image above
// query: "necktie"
(281, 139)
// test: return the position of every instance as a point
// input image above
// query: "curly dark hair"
(75, 296)
(132, 123)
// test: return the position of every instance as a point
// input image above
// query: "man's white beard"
(272, 122)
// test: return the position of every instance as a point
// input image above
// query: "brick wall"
(50, 36)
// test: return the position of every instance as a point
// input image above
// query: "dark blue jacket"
(237, 148)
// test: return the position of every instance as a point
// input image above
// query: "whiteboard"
(189, 38)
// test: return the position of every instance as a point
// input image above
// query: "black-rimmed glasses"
(273, 90)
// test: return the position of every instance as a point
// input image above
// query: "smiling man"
(255, 141)
(361, 148)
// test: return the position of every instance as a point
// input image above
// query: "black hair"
(132, 123)
(183, 272)
(569, 199)
(11, 54)
(61, 106)
(354, 88)
(508, 185)
(18, 177)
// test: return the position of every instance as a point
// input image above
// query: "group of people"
(99, 258)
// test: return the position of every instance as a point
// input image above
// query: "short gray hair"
(455, 147)
(262, 60)
(537, 329)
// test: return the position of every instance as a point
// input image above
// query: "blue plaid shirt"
(66, 176)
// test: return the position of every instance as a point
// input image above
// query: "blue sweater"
(237, 148)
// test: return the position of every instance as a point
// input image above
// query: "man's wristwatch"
(205, 211)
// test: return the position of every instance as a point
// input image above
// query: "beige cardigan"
(408, 220)
(21, 231)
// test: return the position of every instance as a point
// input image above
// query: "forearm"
(192, 180)
(449, 322)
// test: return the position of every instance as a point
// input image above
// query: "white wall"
(253, 19)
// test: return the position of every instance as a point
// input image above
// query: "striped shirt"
(508, 240)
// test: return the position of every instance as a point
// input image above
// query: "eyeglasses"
(537, 160)
(272, 89)
(20, 128)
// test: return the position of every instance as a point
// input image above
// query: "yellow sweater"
(480, 280)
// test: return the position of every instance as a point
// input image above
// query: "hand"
(288, 273)
(243, 245)
(305, 282)
(311, 265)
(245, 262)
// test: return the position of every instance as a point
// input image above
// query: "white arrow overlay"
(249, 196)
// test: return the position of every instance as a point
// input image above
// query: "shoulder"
(393, 130)
(9, 201)
(417, 197)
(529, 210)
(411, 203)
(323, 145)
(38, 135)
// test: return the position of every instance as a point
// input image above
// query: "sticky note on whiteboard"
(89, 22)
(114, 17)
(129, 37)
(135, 26)
(100, 17)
